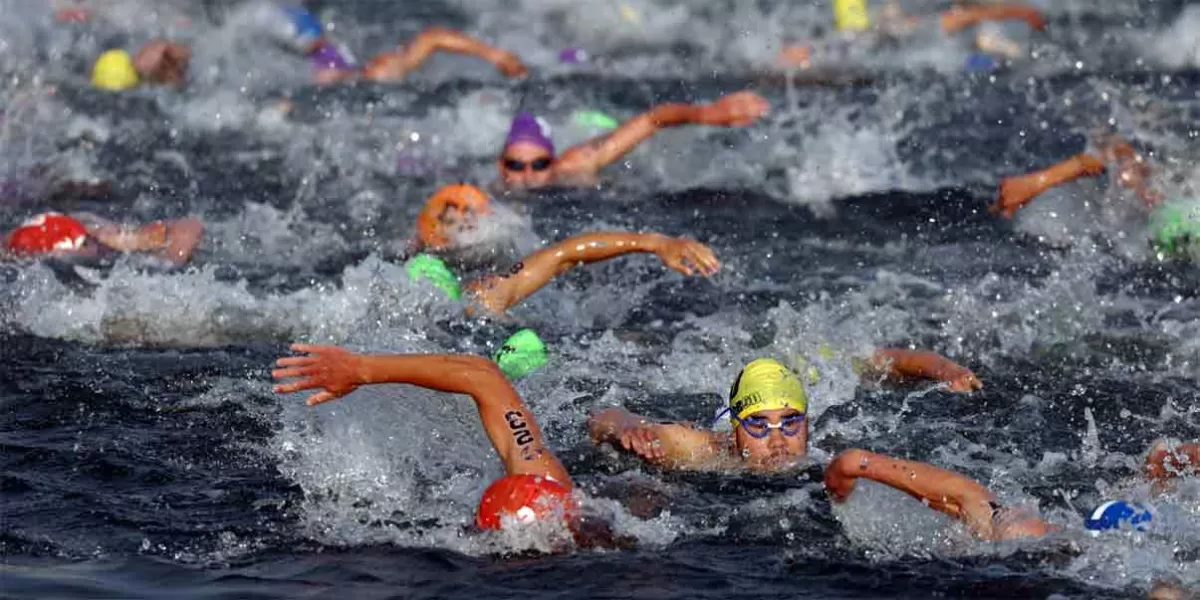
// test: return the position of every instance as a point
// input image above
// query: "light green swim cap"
(595, 118)
(435, 270)
(521, 354)
(1175, 226)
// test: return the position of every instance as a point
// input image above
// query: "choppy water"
(143, 453)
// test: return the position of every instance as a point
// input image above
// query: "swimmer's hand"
(688, 256)
(734, 110)
(163, 62)
(965, 382)
(331, 369)
(643, 441)
(508, 64)
(842, 473)
(795, 57)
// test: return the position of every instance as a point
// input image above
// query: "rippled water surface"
(144, 454)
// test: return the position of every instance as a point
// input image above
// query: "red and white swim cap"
(527, 498)
(47, 233)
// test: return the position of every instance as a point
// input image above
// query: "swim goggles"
(759, 428)
(540, 164)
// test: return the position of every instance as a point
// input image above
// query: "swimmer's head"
(453, 209)
(305, 28)
(431, 268)
(521, 354)
(163, 62)
(114, 71)
(47, 233)
(528, 153)
(769, 410)
(1119, 514)
(522, 499)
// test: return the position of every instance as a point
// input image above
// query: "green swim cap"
(1175, 226)
(433, 269)
(595, 118)
(521, 354)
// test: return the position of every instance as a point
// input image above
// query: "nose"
(775, 439)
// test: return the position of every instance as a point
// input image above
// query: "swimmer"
(158, 62)
(1133, 172)
(768, 408)
(528, 159)
(976, 507)
(84, 236)
(298, 29)
(1173, 222)
(535, 487)
(892, 22)
(495, 294)
(457, 209)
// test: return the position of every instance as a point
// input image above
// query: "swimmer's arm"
(172, 240)
(536, 270)
(663, 444)
(962, 17)
(950, 493)
(1018, 190)
(901, 363)
(509, 424)
(734, 110)
(391, 66)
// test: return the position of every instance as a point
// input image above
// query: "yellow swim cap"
(851, 15)
(765, 384)
(114, 71)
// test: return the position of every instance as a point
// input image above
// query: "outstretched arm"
(508, 422)
(1019, 190)
(962, 17)
(734, 110)
(392, 66)
(498, 294)
(900, 363)
(171, 240)
(664, 444)
(950, 493)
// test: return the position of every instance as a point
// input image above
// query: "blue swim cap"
(308, 28)
(1116, 514)
(979, 63)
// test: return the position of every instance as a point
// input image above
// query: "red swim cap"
(460, 202)
(526, 497)
(46, 233)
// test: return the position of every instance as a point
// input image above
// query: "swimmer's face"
(776, 450)
(162, 62)
(525, 165)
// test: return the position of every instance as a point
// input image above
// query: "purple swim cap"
(528, 128)
(329, 56)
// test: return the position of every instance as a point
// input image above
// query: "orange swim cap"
(527, 498)
(47, 233)
(461, 201)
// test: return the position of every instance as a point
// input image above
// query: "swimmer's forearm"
(608, 424)
(922, 364)
(453, 373)
(126, 239)
(434, 39)
(944, 491)
(539, 268)
(962, 17)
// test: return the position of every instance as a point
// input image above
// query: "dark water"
(144, 455)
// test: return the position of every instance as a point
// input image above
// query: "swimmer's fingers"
(296, 386)
(294, 372)
(703, 257)
(321, 398)
(296, 361)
